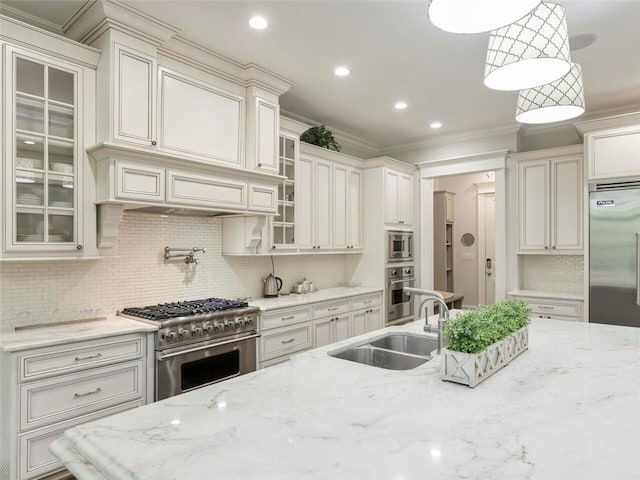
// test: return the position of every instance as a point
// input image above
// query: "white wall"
(465, 263)
(44, 292)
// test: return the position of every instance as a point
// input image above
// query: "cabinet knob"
(554, 247)
(154, 143)
(259, 165)
(78, 247)
(546, 248)
(274, 247)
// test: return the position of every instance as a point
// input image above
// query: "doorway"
(464, 237)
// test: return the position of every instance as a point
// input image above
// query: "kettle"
(272, 285)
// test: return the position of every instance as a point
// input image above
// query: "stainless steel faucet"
(443, 310)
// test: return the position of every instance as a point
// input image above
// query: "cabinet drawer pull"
(289, 317)
(545, 307)
(92, 392)
(332, 309)
(90, 357)
(368, 301)
(288, 341)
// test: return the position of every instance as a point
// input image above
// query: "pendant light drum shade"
(475, 16)
(530, 52)
(553, 102)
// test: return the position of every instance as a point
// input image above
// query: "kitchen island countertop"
(567, 408)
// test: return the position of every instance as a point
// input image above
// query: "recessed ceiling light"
(435, 124)
(341, 71)
(29, 142)
(400, 105)
(258, 23)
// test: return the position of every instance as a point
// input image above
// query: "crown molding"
(602, 123)
(292, 126)
(548, 153)
(476, 157)
(453, 138)
(392, 163)
(30, 19)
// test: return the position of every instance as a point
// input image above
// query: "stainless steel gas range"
(200, 342)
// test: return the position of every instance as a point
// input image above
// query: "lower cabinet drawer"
(366, 301)
(557, 317)
(330, 308)
(282, 318)
(285, 341)
(61, 398)
(548, 308)
(35, 457)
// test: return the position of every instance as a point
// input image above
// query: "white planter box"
(472, 368)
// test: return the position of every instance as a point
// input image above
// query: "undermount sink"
(393, 351)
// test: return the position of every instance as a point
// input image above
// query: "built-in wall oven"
(200, 342)
(399, 246)
(399, 303)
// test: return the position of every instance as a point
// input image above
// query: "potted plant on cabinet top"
(321, 137)
(481, 342)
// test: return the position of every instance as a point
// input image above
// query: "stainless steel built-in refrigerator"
(614, 253)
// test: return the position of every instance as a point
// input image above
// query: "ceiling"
(394, 53)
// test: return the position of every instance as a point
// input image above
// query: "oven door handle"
(161, 356)
(406, 280)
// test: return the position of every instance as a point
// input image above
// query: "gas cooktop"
(165, 311)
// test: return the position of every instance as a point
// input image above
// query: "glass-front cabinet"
(284, 224)
(42, 154)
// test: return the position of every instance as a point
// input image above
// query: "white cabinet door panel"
(359, 322)
(322, 332)
(267, 120)
(534, 208)
(200, 120)
(205, 191)
(354, 222)
(391, 207)
(340, 205)
(139, 182)
(567, 200)
(304, 203)
(134, 91)
(342, 328)
(263, 198)
(323, 195)
(405, 200)
(615, 153)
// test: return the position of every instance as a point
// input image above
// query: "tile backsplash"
(553, 273)
(52, 291)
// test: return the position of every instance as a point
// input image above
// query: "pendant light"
(553, 102)
(474, 16)
(530, 52)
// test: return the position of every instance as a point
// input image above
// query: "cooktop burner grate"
(163, 311)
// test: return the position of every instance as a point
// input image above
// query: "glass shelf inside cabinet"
(284, 223)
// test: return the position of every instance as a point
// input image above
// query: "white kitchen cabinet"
(314, 203)
(262, 134)
(284, 227)
(200, 121)
(205, 191)
(347, 207)
(550, 198)
(139, 182)
(553, 308)
(286, 331)
(612, 147)
(398, 196)
(48, 390)
(47, 108)
(331, 329)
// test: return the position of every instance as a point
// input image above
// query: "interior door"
(487, 219)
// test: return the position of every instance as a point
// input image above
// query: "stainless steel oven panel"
(183, 369)
(400, 272)
(399, 246)
(399, 304)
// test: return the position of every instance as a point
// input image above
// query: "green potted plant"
(481, 342)
(321, 137)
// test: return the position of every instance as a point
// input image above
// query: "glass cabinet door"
(44, 157)
(284, 228)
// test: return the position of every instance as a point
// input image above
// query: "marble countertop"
(569, 407)
(294, 299)
(48, 335)
(542, 294)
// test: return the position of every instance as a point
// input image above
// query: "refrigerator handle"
(637, 269)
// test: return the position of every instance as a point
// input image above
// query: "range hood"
(130, 178)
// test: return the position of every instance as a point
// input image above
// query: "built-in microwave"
(399, 246)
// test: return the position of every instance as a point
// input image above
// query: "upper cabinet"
(200, 121)
(612, 146)
(48, 107)
(284, 231)
(263, 115)
(347, 207)
(315, 203)
(550, 199)
(398, 196)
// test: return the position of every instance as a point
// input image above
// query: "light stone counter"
(294, 299)
(569, 408)
(45, 336)
(543, 294)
